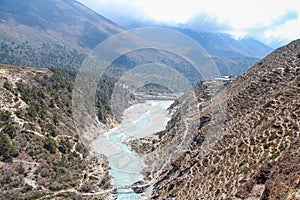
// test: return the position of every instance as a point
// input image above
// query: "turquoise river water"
(141, 120)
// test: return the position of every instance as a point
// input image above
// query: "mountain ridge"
(222, 44)
(209, 40)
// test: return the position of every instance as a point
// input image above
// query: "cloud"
(204, 22)
(282, 33)
(271, 21)
(277, 32)
(287, 16)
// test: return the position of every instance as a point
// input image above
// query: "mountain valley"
(234, 136)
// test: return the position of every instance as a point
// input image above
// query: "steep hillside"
(50, 33)
(41, 154)
(55, 21)
(44, 55)
(253, 155)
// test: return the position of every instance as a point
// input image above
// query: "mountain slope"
(54, 21)
(255, 155)
(232, 56)
(216, 43)
(52, 33)
(221, 44)
(41, 154)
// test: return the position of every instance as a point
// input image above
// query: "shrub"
(50, 145)
(4, 116)
(275, 155)
(10, 130)
(7, 150)
(8, 86)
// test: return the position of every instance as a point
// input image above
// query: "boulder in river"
(139, 187)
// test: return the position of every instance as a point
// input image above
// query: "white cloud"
(240, 17)
(282, 34)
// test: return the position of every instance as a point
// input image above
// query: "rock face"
(41, 155)
(253, 151)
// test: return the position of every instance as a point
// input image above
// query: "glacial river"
(140, 120)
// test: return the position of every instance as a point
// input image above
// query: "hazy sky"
(275, 22)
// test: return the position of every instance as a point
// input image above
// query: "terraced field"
(244, 142)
